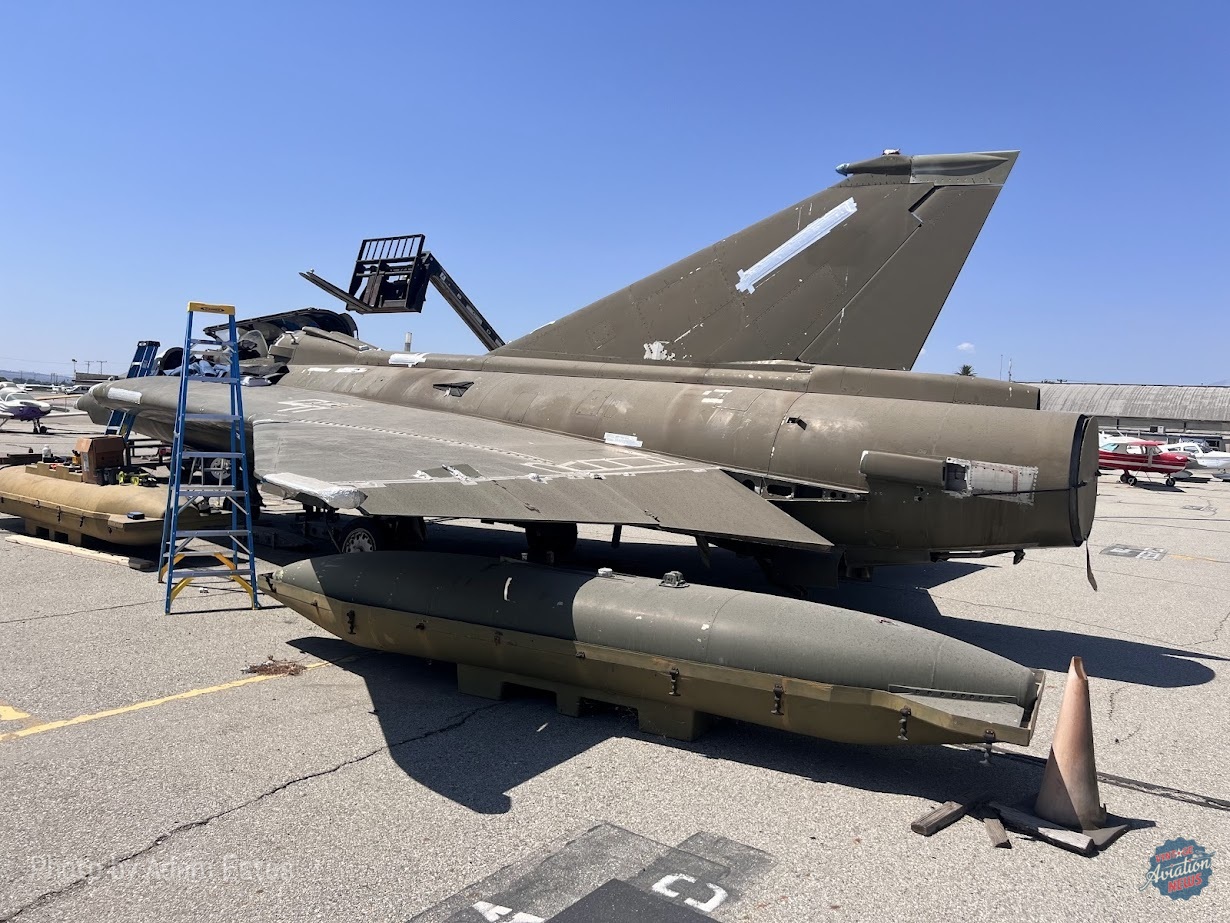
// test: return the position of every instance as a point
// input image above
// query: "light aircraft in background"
(15, 405)
(1129, 455)
(1201, 459)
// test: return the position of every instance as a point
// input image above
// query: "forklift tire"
(362, 535)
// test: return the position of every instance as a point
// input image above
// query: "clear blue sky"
(554, 152)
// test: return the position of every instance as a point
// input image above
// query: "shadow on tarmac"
(480, 759)
(489, 751)
(1108, 658)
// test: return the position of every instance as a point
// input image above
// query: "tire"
(1131, 481)
(1170, 482)
(361, 536)
(218, 471)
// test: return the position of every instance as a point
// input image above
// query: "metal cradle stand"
(223, 474)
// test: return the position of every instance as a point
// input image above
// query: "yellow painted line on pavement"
(1196, 557)
(152, 703)
(9, 713)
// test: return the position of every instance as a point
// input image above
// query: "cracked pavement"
(369, 788)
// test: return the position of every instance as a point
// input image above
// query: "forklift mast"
(391, 275)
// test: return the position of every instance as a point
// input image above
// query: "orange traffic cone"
(1069, 793)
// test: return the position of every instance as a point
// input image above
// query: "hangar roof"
(1192, 405)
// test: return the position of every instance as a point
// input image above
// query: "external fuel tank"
(678, 653)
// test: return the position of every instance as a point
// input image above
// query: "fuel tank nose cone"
(90, 405)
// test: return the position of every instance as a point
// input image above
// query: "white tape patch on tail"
(748, 278)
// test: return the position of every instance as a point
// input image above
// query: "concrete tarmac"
(143, 776)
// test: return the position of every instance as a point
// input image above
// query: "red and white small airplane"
(1129, 455)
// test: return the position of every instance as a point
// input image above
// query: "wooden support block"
(673, 721)
(486, 684)
(567, 703)
(997, 833)
(936, 820)
(142, 564)
(1044, 829)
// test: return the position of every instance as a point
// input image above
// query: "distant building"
(1155, 409)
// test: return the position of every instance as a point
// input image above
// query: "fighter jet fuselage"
(891, 466)
(888, 467)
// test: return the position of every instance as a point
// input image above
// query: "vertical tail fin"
(854, 275)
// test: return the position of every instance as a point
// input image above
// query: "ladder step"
(214, 417)
(211, 455)
(211, 533)
(218, 571)
(210, 491)
(222, 380)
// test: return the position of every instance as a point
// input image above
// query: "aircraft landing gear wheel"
(1131, 480)
(1123, 477)
(362, 535)
(1170, 482)
(559, 539)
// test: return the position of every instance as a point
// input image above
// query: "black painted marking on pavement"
(619, 902)
(704, 874)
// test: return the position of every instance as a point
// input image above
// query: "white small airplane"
(1201, 459)
(15, 405)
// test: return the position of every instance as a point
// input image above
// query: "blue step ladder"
(231, 548)
(143, 360)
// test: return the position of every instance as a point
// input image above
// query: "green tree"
(967, 370)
